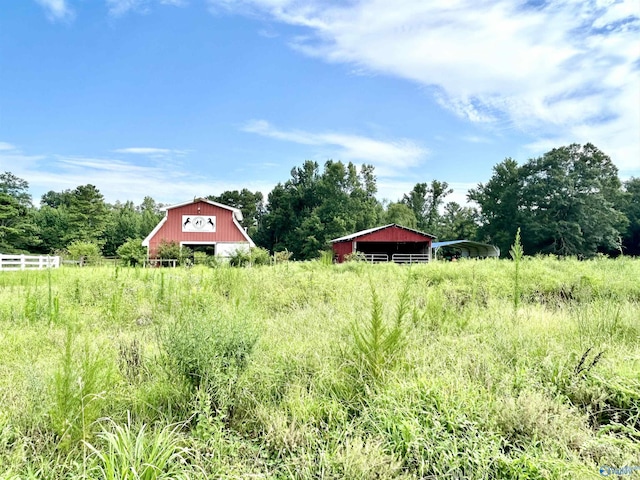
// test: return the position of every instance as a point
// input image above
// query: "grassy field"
(304, 370)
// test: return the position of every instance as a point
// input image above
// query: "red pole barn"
(387, 243)
(200, 223)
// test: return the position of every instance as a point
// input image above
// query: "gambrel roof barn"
(200, 222)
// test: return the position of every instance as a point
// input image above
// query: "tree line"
(569, 201)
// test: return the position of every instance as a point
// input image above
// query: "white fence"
(411, 257)
(376, 257)
(31, 262)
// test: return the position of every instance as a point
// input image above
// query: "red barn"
(382, 244)
(200, 223)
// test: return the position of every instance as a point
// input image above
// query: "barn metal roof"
(236, 211)
(479, 249)
(375, 229)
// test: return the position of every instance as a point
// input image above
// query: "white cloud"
(389, 157)
(566, 69)
(166, 182)
(57, 10)
(120, 7)
(4, 146)
(151, 151)
(475, 139)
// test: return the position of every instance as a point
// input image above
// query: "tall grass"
(79, 386)
(124, 454)
(516, 253)
(306, 370)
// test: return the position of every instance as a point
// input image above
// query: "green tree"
(565, 202)
(311, 236)
(56, 199)
(400, 214)
(366, 208)
(289, 205)
(53, 225)
(18, 231)
(249, 203)
(88, 214)
(425, 201)
(629, 205)
(132, 252)
(151, 214)
(311, 208)
(123, 222)
(498, 201)
(458, 223)
(85, 252)
(569, 198)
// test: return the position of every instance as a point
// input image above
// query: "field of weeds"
(304, 370)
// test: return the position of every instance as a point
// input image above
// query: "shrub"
(240, 258)
(260, 256)
(200, 258)
(254, 256)
(282, 256)
(210, 354)
(85, 252)
(355, 257)
(516, 253)
(132, 252)
(173, 251)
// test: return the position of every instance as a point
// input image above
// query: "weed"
(584, 367)
(377, 346)
(282, 256)
(326, 257)
(131, 360)
(209, 353)
(122, 453)
(78, 391)
(516, 253)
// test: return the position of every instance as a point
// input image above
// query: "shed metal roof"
(480, 249)
(375, 229)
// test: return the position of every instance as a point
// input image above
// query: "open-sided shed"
(200, 223)
(387, 243)
(467, 249)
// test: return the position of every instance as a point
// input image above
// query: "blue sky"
(183, 98)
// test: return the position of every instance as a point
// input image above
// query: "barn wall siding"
(341, 249)
(171, 231)
(393, 234)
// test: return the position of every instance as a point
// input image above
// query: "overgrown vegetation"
(250, 257)
(313, 370)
